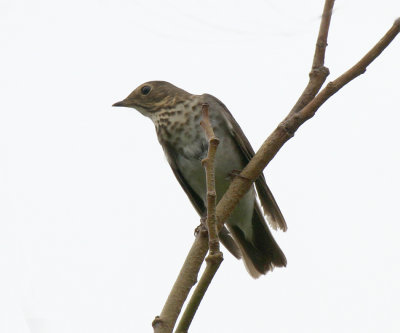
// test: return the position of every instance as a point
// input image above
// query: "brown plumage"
(176, 115)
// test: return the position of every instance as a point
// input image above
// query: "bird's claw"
(202, 227)
(236, 173)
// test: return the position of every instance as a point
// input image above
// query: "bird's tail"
(262, 253)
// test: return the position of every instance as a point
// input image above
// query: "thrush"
(176, 115)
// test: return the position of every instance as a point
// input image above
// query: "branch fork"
(306, 106)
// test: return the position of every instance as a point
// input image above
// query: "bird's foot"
(202, 227)
(236, 173)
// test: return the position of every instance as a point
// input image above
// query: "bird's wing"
(194, 198)
(198, 202)
(270, 207)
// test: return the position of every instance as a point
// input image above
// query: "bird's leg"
(202, 227)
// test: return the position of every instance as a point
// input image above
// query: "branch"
(213, 263)
(305, 108)
(187, 278)
(208, 164)
(287, 128)
(319, 72)
(215, 258)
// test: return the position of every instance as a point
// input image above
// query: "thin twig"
(214, 259)
(208, 164)
(322, 40)
(319, 72)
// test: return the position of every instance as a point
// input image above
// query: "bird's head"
(153, 96)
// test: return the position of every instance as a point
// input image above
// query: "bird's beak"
(121, 103)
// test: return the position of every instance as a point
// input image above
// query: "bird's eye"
(145, 90)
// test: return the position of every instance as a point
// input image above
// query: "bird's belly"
(193, 171)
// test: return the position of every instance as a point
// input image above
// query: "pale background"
(94, 227)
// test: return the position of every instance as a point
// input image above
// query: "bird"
(176, 115)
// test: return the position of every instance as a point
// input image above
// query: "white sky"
(94, 228)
